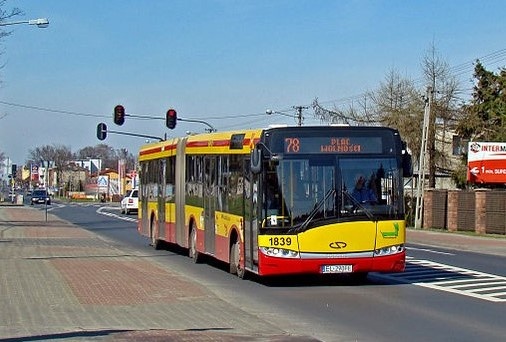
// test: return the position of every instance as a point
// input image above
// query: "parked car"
(40, 196)
(130, 202)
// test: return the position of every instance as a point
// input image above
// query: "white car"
(130, 202)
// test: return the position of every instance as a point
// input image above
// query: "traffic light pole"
(171, 118)
(136, 135)
(211, 129)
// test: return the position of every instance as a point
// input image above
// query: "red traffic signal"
(101, 131)
(171, 118)
(119, 115)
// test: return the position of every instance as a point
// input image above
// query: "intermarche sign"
(486, 162)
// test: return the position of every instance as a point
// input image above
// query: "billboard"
(486, 162)
(34, 170)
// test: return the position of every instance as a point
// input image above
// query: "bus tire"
(155, 242)
(192, 250)
(235, 260)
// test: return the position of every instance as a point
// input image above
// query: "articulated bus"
(280, 200)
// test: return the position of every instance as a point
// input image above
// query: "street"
(386, 307)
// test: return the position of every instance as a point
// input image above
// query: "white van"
(130, 202)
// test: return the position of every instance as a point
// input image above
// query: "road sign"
(103, 181)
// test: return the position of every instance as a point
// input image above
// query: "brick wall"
(481, 211)
(495, 213)
(435, 210)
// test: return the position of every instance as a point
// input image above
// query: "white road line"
(120, 217)
(428, 250)
(452, 279)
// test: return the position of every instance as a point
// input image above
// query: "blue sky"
(222, 61)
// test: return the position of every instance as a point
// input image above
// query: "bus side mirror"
(256, 160)
(407, 165)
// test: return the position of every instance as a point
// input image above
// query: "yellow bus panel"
(279, 241)
(391, 233)
(339, 238)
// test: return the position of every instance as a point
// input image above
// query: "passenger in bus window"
(362, 193)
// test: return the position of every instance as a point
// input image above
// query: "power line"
(136, 117)
(457, 70)
(52, 110)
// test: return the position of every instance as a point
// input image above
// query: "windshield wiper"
(366, 211)
(303, 226)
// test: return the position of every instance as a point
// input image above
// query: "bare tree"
(2, 159)
(58, 155)
(396, 104)
(444, 110)
(6, 15)
(400, 105)
(108, 155)
(103, 152)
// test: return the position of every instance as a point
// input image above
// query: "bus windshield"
(303, 190)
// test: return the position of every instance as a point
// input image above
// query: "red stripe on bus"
(150, 151)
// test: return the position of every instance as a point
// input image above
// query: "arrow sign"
(475, 171)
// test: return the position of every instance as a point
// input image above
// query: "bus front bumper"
(270, 265)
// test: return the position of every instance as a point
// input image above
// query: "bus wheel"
(193, 253)
(235, 260)
(155, 242)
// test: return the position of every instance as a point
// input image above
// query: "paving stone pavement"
(61, 282)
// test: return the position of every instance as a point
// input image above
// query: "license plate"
(337, 268)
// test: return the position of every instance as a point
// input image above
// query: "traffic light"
(171, 118)
(119, 115)
(101, 131)
(14, 170)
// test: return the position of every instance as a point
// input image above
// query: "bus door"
(210, 202)
(144, 198)
(161, 199)
(250, 200)
(179, 191)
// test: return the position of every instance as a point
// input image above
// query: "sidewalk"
(458, 241)
(61, 282)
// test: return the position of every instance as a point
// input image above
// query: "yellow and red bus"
(279, 200)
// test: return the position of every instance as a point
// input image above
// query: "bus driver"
(362, 193)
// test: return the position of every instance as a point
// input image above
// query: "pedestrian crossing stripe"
(462, 281)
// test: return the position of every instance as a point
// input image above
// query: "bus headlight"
(389, 250)
(279, 252)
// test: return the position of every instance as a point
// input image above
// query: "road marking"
(429, 250)
(112, 214)
(462, 281)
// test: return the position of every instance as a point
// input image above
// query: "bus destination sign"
(343, 145)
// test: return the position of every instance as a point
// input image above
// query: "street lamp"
(41, 22)
(297, 116)
(270, 112)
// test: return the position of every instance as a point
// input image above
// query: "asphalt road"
(385, 308)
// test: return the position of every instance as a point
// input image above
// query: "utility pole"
(299, 110)
(431, 143)
(420, 185)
